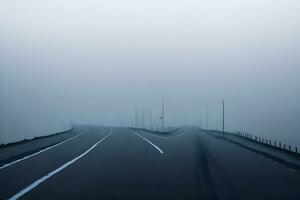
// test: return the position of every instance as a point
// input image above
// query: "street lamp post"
(223, 117)
(162, 115)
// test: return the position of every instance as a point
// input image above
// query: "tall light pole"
(206, 116)
(201, 119)
(143, 126)
(223, 117)
(151, 120)
(174, 120)
(136, 117)
(162, 115)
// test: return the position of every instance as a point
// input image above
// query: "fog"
(92, 62)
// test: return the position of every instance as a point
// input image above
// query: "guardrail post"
(280, 144)
(275, 143)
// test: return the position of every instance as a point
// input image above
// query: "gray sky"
(92, 61)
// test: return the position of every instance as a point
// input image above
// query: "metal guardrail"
(268, 142)
(278, 145)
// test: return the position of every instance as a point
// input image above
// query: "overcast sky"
(92, 61)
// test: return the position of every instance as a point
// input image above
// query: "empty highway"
(123, 163)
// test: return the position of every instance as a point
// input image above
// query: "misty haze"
(140, 99)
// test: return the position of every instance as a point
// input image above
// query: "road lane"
(193, 165)
(41, 151)
(22, 174)
(163, 136)
(126, 167)
(49, 175)
(156, 147)
(239, 173)
(10, 153)
(187, 159)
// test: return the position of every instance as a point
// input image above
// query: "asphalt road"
(120, 163)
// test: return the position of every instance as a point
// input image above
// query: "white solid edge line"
(156, 147)
(44, 178)
(41, 151)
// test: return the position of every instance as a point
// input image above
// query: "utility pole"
(162, 115)
(127, 120)
(139, 119)
(223, 117)
(136, 116)
(173, 120)
(151, 120)
(201, 119)
(206, 116)
(143, 126)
